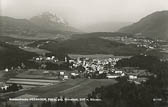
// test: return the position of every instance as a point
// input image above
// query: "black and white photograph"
(83, 53)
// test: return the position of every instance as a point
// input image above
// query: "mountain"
(154, 26)
(45, 26)
(51, 22)
(104, 27)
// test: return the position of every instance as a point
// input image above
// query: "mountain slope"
(154, 26)
(11, 56)
(17, 26)
(44, 26)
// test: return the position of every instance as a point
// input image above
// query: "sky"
(84, 12)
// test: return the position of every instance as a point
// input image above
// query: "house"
(101, 72)
(37, 59)
(52, 57)
(112, 76)
(157, 99)
(4, 87)
(71, 61)
(74, 74)
(62, 73)
(6, 70)
(118, 72)
(66, 59)
(133, 77)
(65, 77)
(137, 82)
(48, 58)
(46, 72)
(123, 74)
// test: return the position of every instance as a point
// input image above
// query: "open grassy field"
(39, 36)
(71, 88)
(1, 76)
(29, 83)
(2, 48)
(35, 50)
(39, 74)
(97, 56)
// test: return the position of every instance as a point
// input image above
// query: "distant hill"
(90, 43)
(154, 26)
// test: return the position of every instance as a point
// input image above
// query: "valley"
(45, 57)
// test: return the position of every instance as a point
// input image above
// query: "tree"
(14, 87)
(31, 105)
(20, 87)
(23, 65)
(78, 104)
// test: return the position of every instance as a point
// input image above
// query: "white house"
(132, 77)
(123, 74)
(112, 76)
(65, 77)
(118, 72)
(6, 70)
(101, 72)
(74, 74)
(62, 73)
(48, 58)
(70, 61)
(37, 59)
(46, 72)
(4, 87)
(52, 57)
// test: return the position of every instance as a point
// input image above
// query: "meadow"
(77, 88)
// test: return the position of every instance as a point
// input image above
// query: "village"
(137, 40)
(78, 68)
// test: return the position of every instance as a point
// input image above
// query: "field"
(96, 56)
(40, 74)
(2, 76)
(71, 88)
(35, 50)
(39, 36)
(2, 48)
(28, 83)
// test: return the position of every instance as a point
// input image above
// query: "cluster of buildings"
(93, 65)
(138, 41)
(105, 69)
(45, 58)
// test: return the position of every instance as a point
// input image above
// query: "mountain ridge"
(154, 26)
(28, 28)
